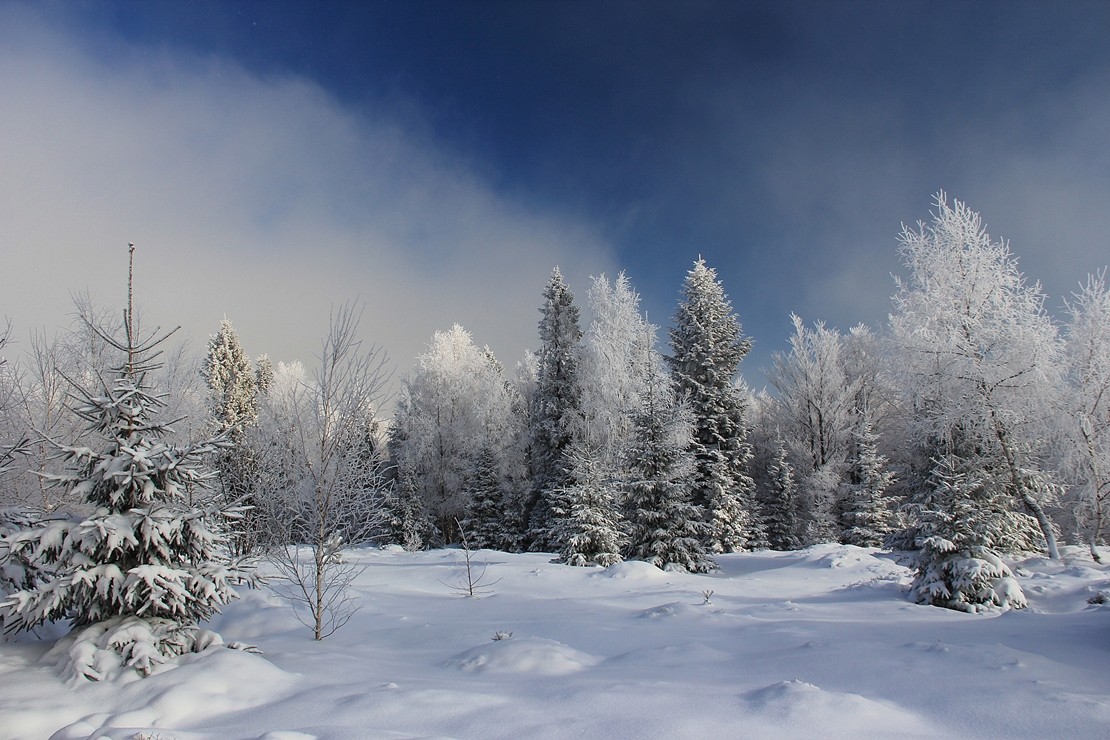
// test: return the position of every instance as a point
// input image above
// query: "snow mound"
(673, 609)
(633, 570)
(801, 709)
(528, 655)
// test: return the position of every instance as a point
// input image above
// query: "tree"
(406, 523)
(963, 521)
(708, 345)
(865, 519)
(664, 527)
(815, 410)
(1087, 405)
(138, 573)
(976, 355)
(490, 512)
(554, 411)
(323, 496)
(781, 506)
(233, 407)
(612, 369)
(454, 401)
(586, 517)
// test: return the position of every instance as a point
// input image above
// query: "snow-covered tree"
(611, 370)
(491, 511)
(406, 523)
(138, 573)
(815, 412)
(865, 518)
(664, 526)
(781, 508)
(587, 520)
(233, 407)
(707, 346)
(455, 401)
(976, 355)
(319, 490)
(1087, 406)
(554, 410)
(232, 380)
(962, 522)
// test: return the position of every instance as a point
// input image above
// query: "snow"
(821, 642)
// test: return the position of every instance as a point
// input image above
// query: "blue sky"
(436, 159)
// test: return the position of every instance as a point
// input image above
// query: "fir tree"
(708, 346)
(781, 505)
(144, 567)
(233, 404)
(406, 523)
(487, 513)
(554, 409)
(865, 518)
(961, 521)
(585, 513)
(664, 527)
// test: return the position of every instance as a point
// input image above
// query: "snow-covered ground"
(816, 643)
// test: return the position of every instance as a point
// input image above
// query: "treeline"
(974, 424)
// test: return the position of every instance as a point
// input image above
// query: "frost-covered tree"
(490, 511)
(865, 518)
(815, 412)
(455, 401)
(611, 370)
(554, 410)
(707, 346)
(406, 523)
(232, 380)
(1087, 406)
(232, 384)
(781, 508)
(319, 490)
(976, 355)
(962, 522)
(664, 526)
(138, 573)
(585, 514)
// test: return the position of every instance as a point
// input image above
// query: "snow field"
(814, 643)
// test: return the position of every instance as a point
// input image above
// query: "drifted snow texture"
(823, 642)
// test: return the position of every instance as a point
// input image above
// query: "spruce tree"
(585, 514)
(138, 573)
(487, 512)
(962, 520)
(865, 518)
(554, 410)
(406, 523)
(781, 507)
(664, 527)
(233, 384)
(708, 345)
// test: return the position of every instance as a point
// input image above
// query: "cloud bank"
(260, 198)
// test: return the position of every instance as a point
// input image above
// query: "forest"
(143, 487)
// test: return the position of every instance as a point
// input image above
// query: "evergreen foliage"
(489, 517)
(664, 527)
(780, 505)
(962, 523)
(144, 551)
(554, 413)
(865, 517)
(405, 522)
(708, 345)
(587, 521)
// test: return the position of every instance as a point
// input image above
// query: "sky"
(435, 160)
